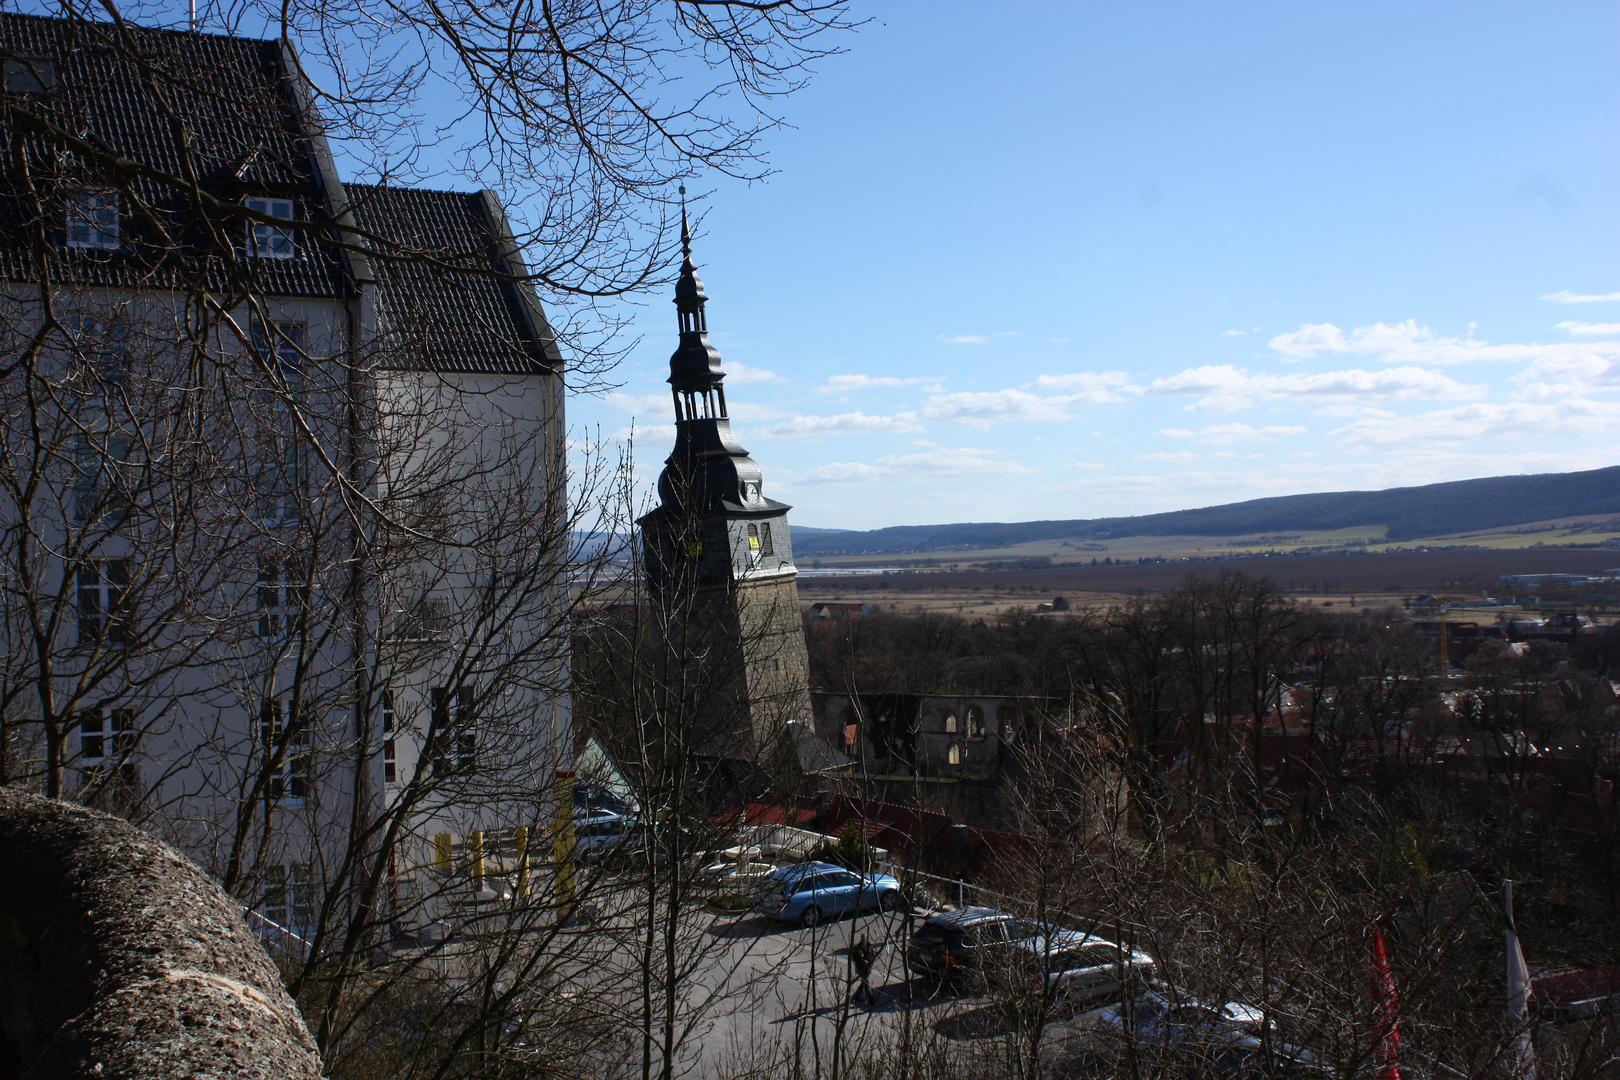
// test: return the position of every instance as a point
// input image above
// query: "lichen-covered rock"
(120, 958)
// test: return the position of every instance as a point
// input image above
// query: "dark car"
(964, 942)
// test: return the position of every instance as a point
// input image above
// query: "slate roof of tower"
(442, 304)
(231, 96)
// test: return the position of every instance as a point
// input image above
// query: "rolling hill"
(1433, 510)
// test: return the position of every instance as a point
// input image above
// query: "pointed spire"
(689, 294)
(686, 233)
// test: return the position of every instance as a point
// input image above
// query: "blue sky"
(1075, 260)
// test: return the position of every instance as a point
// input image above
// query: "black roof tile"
(230, 96)
(443, 304)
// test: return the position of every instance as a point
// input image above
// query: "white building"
(283, 488)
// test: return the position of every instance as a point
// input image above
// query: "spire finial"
(686, 231)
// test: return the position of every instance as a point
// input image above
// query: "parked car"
(964, 942)
(809, 892)
(1159, 1021)
(600, 832)
(1069, 964)
(1248, 1058)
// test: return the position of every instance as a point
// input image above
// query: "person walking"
(862, 955)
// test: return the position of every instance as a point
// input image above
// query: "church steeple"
(694, 371)
(718, 552)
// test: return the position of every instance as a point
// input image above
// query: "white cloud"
(1225, 434)
(1560, 377)
(738, 374)
(1086, 466)
(843, 384)
(1409, 343)
(1234, 333)
(658, 436)
(854, 423)
(976, 339)
(1092, 387)
(934, 463)
(1564, 296)
(1573, 417)
(1226, 388)
(641, 404)
(981, 408)
(1590, 329)
(1178, 457)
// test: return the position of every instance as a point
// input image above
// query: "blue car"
(807, 893)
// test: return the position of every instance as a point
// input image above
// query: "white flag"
(1518, 997)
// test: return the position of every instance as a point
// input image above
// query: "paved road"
(794, 1000)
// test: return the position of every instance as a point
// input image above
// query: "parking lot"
(799, 1001)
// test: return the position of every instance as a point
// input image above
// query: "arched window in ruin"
(1009, 722)
(956, 751)
(975, 722)
(950, 723)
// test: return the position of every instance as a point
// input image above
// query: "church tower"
(719, 556)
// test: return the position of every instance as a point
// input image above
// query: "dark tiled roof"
(442, 308)
(230, 96)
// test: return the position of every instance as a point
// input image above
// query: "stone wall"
(120, 958)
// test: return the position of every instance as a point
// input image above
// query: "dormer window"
(93, 219)
(29, 75)
(271, 241)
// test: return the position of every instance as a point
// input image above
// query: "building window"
(101, 348)
(288, 896)
(105, 733)
(753, 545)
(284, 731)
(281, 346)
(104, 604)
(389, 721)
(29, 75)
(956, 754)
(271, 241)
(765, 547)
(100, 487)
(950, 723)
(283, 593)
(279, 468)
(975, 722)
(1009, 722)
(93, 219)
(453, 737)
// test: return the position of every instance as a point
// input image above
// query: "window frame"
(283, 593)
(280, 459)
(453, 732)
(105, 610)
(390, 721)
(271, 241)
(289, 894)
(97, 212)
(114, 734)
(100, 489)
(285, 728)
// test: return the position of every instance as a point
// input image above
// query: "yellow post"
(442, 845)
(562, 844)
(522, 862)
(477, 843)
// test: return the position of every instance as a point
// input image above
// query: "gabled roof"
(230, 96)
(443, 273)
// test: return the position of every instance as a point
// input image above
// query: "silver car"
(1071, 964)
